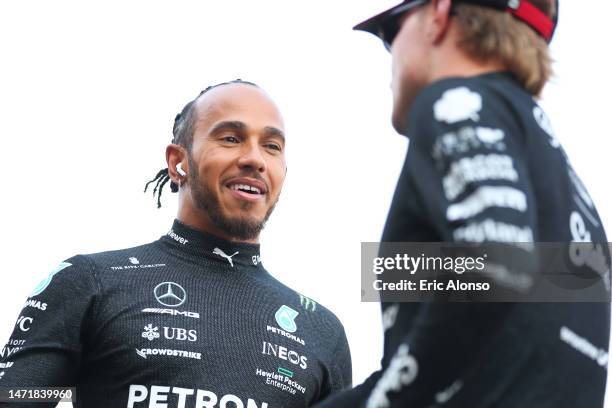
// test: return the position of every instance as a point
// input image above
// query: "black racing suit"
(188, 320)
(484, 165)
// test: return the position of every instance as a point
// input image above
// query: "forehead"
(237, 102)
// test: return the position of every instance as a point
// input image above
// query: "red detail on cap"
(535, 18)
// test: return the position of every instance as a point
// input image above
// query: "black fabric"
(231, 335)
(472, 139)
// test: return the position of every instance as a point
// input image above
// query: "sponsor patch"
(584, 346)
(494, 231)
(285, 318)
(285, 354)
(142, 396)
(282, 379)
(171, 312)
(308, 304)
(47, 281)
(487, 197)
(477, 169)
(467, 139)
(145, 352)
(285, 334)
(36, 304)
(457, 105)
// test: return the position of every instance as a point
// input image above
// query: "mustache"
(246, 174)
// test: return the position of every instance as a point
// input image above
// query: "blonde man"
(483, 166)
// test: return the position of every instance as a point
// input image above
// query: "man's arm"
(340, 373)
(353, 397)
(45, 346)
(342, 368)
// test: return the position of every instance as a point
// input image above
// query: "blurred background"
(88, 95)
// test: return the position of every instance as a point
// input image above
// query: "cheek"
(277, 171)
(395, 70)
(212, 165)
(406, 46)
(396, 66)
(400, 56)
(398, 73)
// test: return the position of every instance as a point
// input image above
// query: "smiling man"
(192, 319)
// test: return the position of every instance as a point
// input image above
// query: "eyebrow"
(275, 132)
(241, 126)
(228, 124)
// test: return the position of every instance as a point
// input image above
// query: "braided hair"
(182, 132)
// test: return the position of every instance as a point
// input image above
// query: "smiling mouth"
(247, 188)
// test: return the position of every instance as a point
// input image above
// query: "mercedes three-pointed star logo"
(170, 294)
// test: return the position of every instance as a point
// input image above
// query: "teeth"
(245, 187)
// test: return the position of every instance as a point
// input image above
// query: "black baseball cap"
(386, 26)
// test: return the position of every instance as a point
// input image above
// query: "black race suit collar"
(198, 244)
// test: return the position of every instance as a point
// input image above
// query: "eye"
(273, 146)
(231, 139)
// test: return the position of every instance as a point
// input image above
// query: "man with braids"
(192, 319)
(484, 165)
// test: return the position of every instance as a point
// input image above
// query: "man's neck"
(452, 62)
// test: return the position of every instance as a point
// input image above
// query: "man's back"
(472, 139)
(188, 320)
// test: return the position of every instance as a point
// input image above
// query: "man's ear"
(175, 155)
(441, 20)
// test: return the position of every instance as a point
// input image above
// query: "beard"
(241, 227)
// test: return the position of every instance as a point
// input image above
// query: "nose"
(251, 158)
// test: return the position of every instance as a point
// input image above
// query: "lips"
(247, 188)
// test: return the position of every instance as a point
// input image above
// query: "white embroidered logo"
(457, 105)
(150, 333)
(220, 252)
(546, 125)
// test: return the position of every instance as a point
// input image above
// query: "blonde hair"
(487, 34)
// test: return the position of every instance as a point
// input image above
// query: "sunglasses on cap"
(390, 27)
(386, 25)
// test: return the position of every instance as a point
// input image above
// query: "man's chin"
(236, 218)
(401, 112)
(399, 120)
(243, 210)
(403, 99)
(243, 220)
(240, 226)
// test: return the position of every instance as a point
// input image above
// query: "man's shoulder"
(326, 320)
(494, 86)
(136, 255)
(493, 101)
(441, 96)
(308, 307)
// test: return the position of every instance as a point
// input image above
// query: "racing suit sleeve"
(467, 168)
(340, 375)
(353, 397)
(46, 343)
